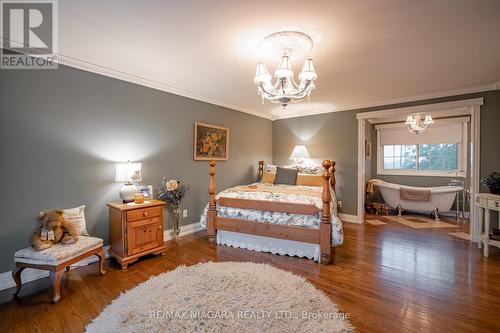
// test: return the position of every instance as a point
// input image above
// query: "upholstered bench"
(57, 259)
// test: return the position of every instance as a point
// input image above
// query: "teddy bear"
(52, 228)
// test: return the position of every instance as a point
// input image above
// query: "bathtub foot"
(435, 213)
(400, 209)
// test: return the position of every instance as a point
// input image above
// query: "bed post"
(325, 229)
(261, 171)
(212, 212)
(333, 181)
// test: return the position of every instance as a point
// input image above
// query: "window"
(441, 149)
(400, 157)
(431, 157)
(441, 157)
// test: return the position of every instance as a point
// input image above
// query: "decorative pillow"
(268, 177)
(286, 176)
(310, 169)
(309, 180)
(77, 216)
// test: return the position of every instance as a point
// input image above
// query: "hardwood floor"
(389, 278)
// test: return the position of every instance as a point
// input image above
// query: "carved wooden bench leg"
(16, 275)
(57, 277)
(101, 262)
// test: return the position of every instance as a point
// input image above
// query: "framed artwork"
(368, 150)
(147, 190)
(211, 142)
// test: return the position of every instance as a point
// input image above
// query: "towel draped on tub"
(414, 194)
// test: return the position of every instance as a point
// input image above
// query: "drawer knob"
(159, 227)
(145, 214)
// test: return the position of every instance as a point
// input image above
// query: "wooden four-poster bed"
(321, 235)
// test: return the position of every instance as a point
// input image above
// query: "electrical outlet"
(339, 204)
(185, 213)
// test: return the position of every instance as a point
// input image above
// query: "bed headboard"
(333, 182)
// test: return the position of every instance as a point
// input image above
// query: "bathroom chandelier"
(417, 123)
(292, 45)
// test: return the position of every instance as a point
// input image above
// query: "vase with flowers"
(172, 192)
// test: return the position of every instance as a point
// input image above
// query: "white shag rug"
(222, 297)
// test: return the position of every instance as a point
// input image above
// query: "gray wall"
(327, 136)
(334, 135)
(61, 131)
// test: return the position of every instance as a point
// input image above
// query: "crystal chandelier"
(285, 89)
(416, 123)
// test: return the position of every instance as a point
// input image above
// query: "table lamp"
(299, 154)
(128, 172)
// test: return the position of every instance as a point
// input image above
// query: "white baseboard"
(349, 218)
(185, 230)
(31, 274)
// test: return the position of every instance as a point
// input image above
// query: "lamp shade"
(428, 120)
(308, 73)
(285, 68)
(300, 151)
(261, 74)
(409, 120)
(128, 172)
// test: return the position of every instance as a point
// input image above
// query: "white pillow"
(77, 216)
(310, 169)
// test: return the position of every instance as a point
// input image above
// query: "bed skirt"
(268, 244)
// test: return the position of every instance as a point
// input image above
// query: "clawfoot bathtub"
(441, 200)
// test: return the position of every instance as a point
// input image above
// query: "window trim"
(462, 156)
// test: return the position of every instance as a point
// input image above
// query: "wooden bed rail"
(272, 230)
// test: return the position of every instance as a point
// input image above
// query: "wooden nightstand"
(135, 230)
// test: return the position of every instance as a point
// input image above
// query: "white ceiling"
(371, 52)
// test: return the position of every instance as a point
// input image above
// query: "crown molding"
(446, 93)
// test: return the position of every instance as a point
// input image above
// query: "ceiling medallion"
(417, 123)
(290, 45)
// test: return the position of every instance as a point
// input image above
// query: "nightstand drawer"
(145, 213)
